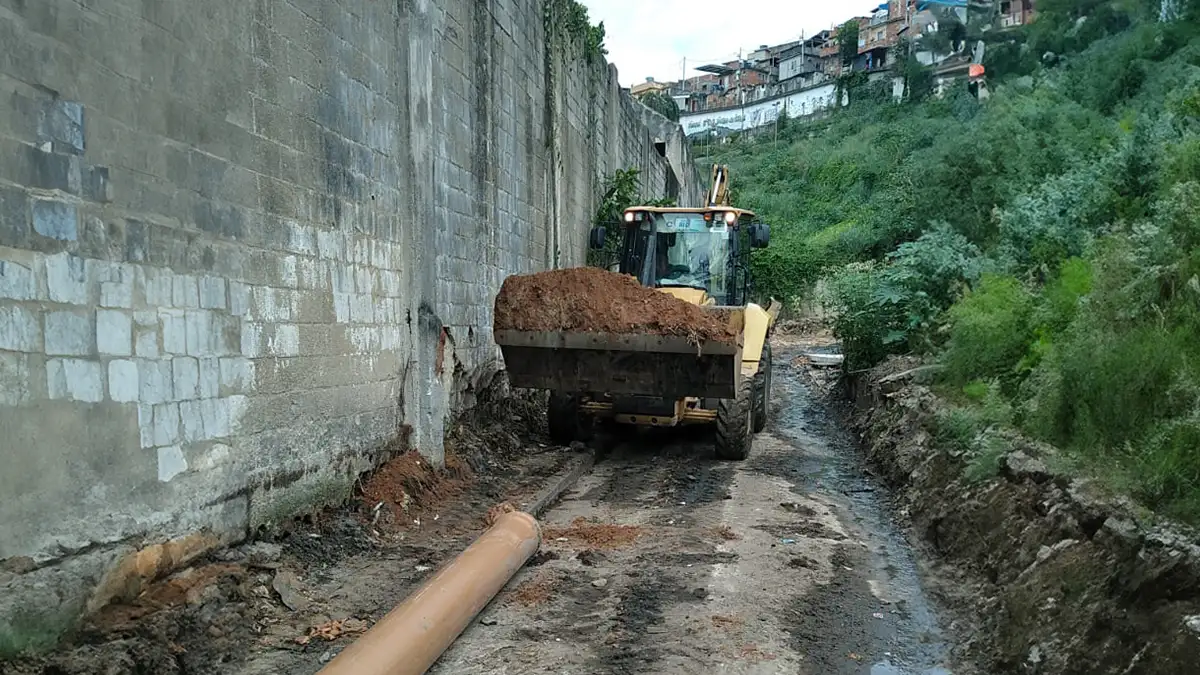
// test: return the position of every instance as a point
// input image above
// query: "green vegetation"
(1043, 245)
(569, 18)
(622, 190)
(662, 104)
(847, 39)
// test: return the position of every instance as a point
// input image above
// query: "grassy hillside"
(1043, 246)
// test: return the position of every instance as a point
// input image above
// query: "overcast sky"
(651, 38)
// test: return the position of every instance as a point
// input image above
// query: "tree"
(662, 104)
(847, 38)
(918, 80)
(595, 40)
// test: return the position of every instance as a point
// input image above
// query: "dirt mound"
(409, 487)
(592, 300)
(496, 511)
(192, 586)
(595, 535)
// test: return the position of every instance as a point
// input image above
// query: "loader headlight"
(629, 216)
(730, 217)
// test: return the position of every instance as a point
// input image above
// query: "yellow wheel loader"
(699, 255)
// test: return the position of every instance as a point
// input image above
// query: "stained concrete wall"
(800, 104)
(246, 244)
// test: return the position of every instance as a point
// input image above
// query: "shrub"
(989, 332)
(1166, 472)
(886, 309)
(869, 330)
(1114, 385)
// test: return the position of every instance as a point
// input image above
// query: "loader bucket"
(626, 364)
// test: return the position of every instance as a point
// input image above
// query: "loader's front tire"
(735, 423)
(564, 419)
(762, 389)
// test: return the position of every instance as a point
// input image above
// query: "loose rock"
(285, 584)
(263, 554)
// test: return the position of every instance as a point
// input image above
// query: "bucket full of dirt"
(591, 330)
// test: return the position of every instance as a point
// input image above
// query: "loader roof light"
(629, 216)
(730, 217)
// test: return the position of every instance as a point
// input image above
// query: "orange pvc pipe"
(413, 635)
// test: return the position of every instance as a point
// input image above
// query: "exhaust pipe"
(413, 635)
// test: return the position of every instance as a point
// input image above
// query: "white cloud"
(651, 38)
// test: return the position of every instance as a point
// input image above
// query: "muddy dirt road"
(660, 560)
(664, 561)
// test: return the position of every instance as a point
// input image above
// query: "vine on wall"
(567, 21)
(621, 190)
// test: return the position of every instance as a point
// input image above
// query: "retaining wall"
(245, 245)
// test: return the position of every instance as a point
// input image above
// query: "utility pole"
(776, 125)
(741, 92)
(803, 58)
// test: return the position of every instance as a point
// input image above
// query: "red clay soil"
(583, 532)
(535, 591)
(409, 486)
(592, 300)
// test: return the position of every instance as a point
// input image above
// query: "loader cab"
(705, 250)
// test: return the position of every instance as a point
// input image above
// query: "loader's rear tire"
(735, 424)
(566, 422)
(762, 389)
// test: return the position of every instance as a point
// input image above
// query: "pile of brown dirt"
(409, 486)
(592, 300)
(199, 621)
(595, 535)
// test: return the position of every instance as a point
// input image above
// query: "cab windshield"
(689, 253)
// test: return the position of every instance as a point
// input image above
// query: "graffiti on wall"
(760, 113)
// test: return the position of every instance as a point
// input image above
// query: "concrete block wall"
(247, 245)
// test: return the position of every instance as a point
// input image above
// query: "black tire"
(735, 421)
(762, 389)
(564, 420)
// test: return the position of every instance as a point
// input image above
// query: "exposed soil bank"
(1058, 579)
(591, 300)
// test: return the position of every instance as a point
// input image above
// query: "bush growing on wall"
(662, 104)
(621, 190)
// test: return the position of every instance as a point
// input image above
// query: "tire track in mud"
(669, 476)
